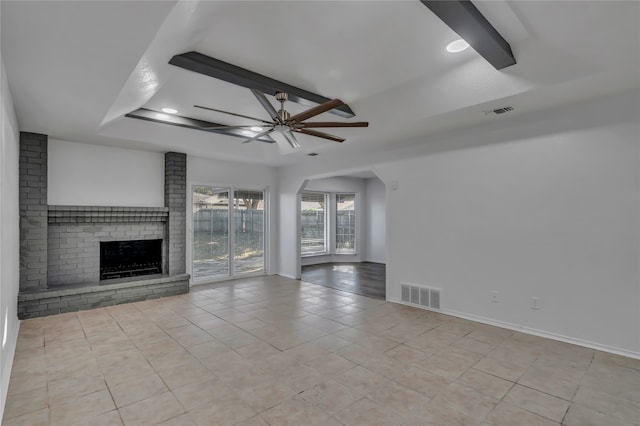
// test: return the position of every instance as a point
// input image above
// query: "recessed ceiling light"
(169, 110)
(457, 46)
(256, 129)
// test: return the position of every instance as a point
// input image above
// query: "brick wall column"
(33, 211)
(175, 198)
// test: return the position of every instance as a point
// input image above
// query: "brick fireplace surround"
(60, 245)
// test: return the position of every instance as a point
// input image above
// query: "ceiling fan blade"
(320, 135)
(258, 136)
(230, 127)
(233, 113)
(318, 124)
(316, 110)
(291, 139)
(265, 104)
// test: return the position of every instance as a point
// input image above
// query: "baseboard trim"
(288, 276)
(12, 346)
(528, 330)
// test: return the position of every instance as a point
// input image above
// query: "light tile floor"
(274, 351)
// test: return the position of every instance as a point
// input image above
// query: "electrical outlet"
(535, 303)
(494, 296)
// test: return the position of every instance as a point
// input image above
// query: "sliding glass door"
(228, 232)
(249, 232)
(210, 232)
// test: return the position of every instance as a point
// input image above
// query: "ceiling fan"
(285, 123)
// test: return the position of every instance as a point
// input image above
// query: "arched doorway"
(343, 233)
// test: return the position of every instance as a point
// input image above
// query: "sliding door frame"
(266, 253)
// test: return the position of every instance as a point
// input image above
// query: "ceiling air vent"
(503, 110)
(499, 111)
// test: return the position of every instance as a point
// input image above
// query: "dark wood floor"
(366, 278)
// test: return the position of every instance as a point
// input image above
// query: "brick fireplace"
(133, 258)
(75, 235)
(68, 254)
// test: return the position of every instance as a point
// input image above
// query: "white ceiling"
(75, 68)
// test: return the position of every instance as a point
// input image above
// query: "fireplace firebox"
(121, 259)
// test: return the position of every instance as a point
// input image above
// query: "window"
(313, 222)
(328, 223)
(345, 223)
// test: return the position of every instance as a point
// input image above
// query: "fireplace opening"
(121, 259)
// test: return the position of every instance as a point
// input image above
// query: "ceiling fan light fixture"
(457, 46)
(293, 142)
(256, 129)
(168, 110)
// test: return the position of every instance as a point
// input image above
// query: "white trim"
(331, 220)
(266, 251)
(316, 253)
(291, 277)
(226, 279)
(204, 281)
(328, 240)
(11, 346)
(266, 232)
(356, 213)
(330, 258)
(527, 330)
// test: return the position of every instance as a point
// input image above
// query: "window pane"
(210, 232)
(345, 223)
(313, 223)
(249, 231)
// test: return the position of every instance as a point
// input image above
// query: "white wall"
(376, 221)
(202, 171)
(341, 185)
(92, 175)
(554, 217)
(9, 235)
(545, 204)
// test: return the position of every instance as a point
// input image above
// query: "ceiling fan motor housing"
(283, 115)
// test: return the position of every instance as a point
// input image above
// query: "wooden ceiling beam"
(203, 64)
(467, 21)
(189, 123)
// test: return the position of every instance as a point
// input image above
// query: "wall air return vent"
(420, 296)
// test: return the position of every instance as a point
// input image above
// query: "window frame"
(326, 210)
(354, 250)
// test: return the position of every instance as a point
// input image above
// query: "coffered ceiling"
(75, 69)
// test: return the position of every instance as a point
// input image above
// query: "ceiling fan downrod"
(283, 115)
